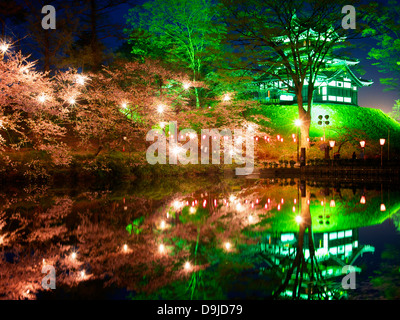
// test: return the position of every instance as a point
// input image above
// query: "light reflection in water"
(280, 231)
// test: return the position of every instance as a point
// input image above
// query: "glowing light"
(186, 86)
(362, 200)
(282, 200)
(332, 143)
(322, 203)
(124, 105)
(73, 255)
(161, 248)
(160, 108)
(332, 203)
(362, 144)
(383, 207)
(42, 98)
(382, 141)
(192, 210)
(177, 204)
(80, 80)
(162, 224)
(294, 200)
(83, 274)
(293, 135)
(232, 198)
(279, 207)
(187, 265)
(298, 122)
(281, 139)
(72, 101)
(294, 209)
(299, 219)
(226, 97)
(227, 246)
(278, 137)
(251, 219)
(4, 47)
(266, 206)
(125, 248)
(204, 203)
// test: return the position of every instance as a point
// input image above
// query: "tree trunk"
(94, 41)
(305, 118)
(197, 97)
(196, 91)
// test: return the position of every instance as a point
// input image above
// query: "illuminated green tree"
(287, 41)
(184, 33)
(384, 24)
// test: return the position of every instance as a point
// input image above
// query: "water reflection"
(182, 239)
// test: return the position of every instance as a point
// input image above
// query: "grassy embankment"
(348, 124)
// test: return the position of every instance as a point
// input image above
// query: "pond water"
(201, 238)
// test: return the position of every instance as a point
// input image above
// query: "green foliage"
(135, 226)
(185, 34)
(384, 27)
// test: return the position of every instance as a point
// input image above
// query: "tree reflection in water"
(197, 239)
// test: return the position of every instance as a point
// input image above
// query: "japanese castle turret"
(336, 84)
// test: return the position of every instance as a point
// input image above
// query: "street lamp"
(382, 142)
(362, 144)
(298, 124)
(332, 145)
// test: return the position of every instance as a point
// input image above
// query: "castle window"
(332, 83)
(347, 85)
(331, 98)
(339, 99)
(347, 100)
(286, 98)
(340, 84)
